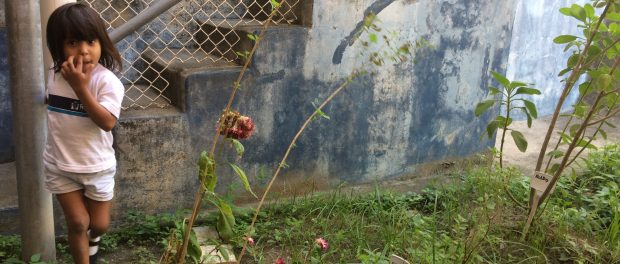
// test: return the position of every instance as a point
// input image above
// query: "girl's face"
(90, 50)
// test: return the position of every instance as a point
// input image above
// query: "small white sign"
(540, 181)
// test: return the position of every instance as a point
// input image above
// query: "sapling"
(595, 56)
(510, 96)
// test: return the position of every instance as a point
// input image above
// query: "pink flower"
(322, 243)
(236, 126)
(280, 260)
(250, 240)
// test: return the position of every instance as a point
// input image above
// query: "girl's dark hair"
(76, 21)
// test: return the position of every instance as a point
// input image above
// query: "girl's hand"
(77, 74)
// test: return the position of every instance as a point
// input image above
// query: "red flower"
(236, 126)
(280, 260)
(322, 243)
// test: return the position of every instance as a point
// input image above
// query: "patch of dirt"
(526, 161)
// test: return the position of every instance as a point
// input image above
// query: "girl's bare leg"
(99, 216)
(78, 220)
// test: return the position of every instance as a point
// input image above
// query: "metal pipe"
(141, 19)
(29, 128)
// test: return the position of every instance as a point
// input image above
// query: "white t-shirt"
(74, 142)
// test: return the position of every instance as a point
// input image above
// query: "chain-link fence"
(194, 32)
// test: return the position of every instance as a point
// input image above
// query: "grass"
(468, 218)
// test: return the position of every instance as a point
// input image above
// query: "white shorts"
(98, 186)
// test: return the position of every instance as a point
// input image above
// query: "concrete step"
(142, 96)
(290, 12)
(228, 37)
(170, 67)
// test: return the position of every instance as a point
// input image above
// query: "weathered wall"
(383, 126)
(6, 126)
(534, 58)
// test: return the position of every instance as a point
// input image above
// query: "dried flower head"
(234, 125)
(249, 240)
(322, 243)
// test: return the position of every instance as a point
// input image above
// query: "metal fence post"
(27, 97)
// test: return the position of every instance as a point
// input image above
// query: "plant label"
(540, 181)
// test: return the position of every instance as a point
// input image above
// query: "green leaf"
(320, 112)
(584, 88)
(555, 154)
(589, 10)
(244, 54)
(226, 221)
(503, 122)
(593, 52)
(613, 16)
(614, 29)
(516, 84)
(573, 129)
(494, 90)
(572, 61)
(580, 110)
(491, 128)
(603, 133)
(35, 258)
(274, 5)
(603, 82)
(224, 253)
(562, 72)
(578, 12)
(519, 140)
(564, 39)
(531, 108)
(483, 106)
(555, 167)
(252, 37)
(585, 144)
(527, 90)
(529, 119)
(609, 124)
(566, 139)
(238, 146)
(193, 249)
(206, 171)
(501, 79)
(244, 179)
(373, 38)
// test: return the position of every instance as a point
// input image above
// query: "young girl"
(84, 102)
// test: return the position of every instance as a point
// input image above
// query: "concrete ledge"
(9, 221)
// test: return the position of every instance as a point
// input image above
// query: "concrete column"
(27, 93)
(47, 7)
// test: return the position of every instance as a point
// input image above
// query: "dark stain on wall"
(6, 120)
(374, 8)
(431, 71)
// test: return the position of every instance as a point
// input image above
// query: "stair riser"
(224, 42)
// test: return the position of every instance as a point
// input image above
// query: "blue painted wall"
(534, 58)
(383, 125)
(6, 123)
